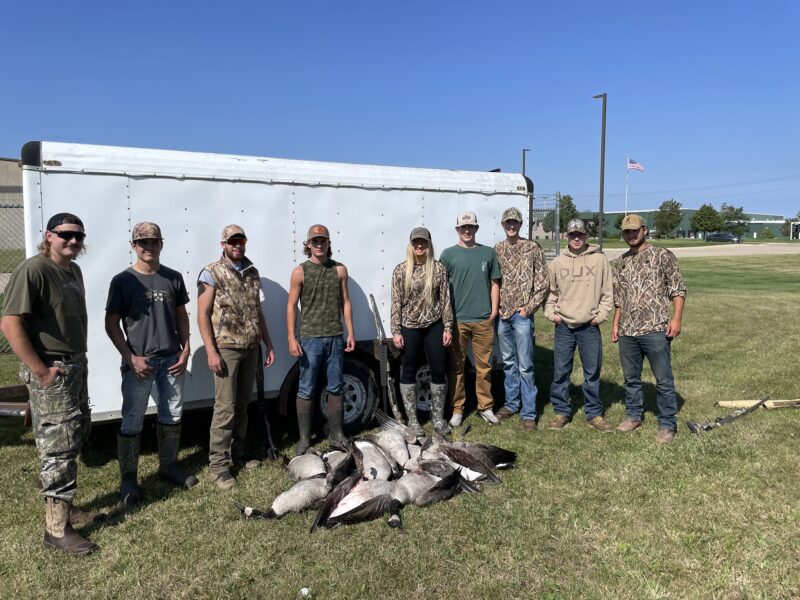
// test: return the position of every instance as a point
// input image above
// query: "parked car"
(723, 236)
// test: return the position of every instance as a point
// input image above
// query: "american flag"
(632, 164)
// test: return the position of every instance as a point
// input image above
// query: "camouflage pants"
(61, 424)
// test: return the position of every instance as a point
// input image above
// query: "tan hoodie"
(581, 287)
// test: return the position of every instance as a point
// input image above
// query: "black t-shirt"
(147, 306)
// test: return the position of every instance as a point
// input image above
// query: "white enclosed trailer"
(369, 210)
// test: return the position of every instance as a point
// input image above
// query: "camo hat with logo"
(511, 214)
(466, 218)
(146, 231)
(230, 231)
(576, 225)
(317, 231)
(632, 222)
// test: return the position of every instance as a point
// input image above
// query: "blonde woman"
(422, 321)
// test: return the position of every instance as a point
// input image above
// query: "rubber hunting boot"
(438, 398)
(169, 441)
(408, 391)
(335, 417)
(128, 452)
(305, 419)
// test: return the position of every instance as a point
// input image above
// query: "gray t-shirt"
(147, 306)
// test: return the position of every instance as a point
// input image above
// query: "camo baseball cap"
(576, 225)
(511, 214)
(230, 231)
(146, 231)
(317, 231)
(632, 222)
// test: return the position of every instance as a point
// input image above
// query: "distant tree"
(567, 212)
(668, 218)
(618, 222)
(734, 219)
(706, 219)
(767, 233)
(786, 228)
(592, 224)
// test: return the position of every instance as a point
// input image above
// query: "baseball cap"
(576, 225)
(420, 233)
(466, 218)
(511, 214)
(230, 231)
(632, 222)
(318, 231)
(146, 231)
(63, 219)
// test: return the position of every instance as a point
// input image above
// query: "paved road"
(722, 250)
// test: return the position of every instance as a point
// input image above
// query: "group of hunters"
(439, 307)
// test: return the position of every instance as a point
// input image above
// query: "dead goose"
(303, 495)
(306, 466)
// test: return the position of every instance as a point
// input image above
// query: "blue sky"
(705, 95)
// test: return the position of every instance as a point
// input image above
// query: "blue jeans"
(167, 391)
(656, 347)
(516, 346)
(590, 347)
(316, 352)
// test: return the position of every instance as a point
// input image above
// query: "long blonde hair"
(428, 273)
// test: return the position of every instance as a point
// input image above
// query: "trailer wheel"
(360, 396)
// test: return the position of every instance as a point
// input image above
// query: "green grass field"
(583, 514)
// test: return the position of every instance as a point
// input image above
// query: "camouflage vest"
(237, 305)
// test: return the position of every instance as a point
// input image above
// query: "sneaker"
(665, 436)
(558, 422)
(629, 425)
(601, 424)
(224, 481)
(504, 413)
(456, 419)
(488, 416)
(529, 425)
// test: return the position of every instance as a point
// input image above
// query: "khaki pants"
(481, 334)
(233, 391)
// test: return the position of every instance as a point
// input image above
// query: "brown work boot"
(529, 425)
(504, 414)
(80, 517)
(558, 423)
(665, 436)
(58, 533)
(224, 481)
(601, 424)
(629, 425)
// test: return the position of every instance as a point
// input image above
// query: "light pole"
(530, 197)
(601, 225)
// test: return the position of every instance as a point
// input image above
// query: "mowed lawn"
(583, 514)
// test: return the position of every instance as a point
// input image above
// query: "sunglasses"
(237, 241)
(69, 235)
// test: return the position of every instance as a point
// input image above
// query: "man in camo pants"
(44, 320)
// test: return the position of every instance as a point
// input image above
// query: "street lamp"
(602, 167)
(530, 197)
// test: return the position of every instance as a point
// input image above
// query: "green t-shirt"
(52, 300)
(471, 271)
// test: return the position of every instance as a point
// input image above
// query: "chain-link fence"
(12, 250)
(545, 224)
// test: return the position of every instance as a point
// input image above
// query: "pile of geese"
(380, 474)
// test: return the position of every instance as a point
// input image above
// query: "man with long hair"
(422, 324)
(45, 321)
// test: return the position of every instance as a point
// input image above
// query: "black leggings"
(419, 345)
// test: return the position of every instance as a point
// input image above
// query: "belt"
(64, 357)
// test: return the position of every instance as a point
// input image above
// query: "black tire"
(360, 396)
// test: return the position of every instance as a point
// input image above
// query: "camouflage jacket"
(644, 285)
(524, 272)
(236, 315)
(412, 311)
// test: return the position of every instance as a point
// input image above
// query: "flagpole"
(627, 170)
